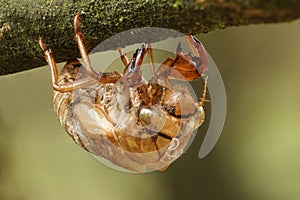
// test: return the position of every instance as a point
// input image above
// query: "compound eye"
(145, 116)
(180, 104)
(153, 118)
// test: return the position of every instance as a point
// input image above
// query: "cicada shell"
(134, 124)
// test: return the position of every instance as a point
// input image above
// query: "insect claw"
(121, 52)
(198, 51)
(124, 58)
(77, 23)
(193, 45)
(42, 44)
(179, 49)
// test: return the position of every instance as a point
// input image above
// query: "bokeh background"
(256, 157)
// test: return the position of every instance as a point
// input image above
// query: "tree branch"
(22, 22)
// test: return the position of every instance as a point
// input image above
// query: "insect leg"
(198, 51)
(109, 77)
(82, 49)
(148, 49)
(150, 56)
(202, 100)
(50, 60)
(124, 58)
(189, 66)
(132, 73)
(54, 73)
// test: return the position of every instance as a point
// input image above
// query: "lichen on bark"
(22, 22)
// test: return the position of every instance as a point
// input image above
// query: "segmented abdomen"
(62, 103)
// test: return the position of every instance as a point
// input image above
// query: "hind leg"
(54, 73)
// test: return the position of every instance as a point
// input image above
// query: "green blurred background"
(256, 157)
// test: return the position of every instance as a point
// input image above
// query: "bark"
(22, 22)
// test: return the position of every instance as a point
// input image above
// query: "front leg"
(132, 72)
(189, 66)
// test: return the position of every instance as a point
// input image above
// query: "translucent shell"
(127, 122)
(100, 120)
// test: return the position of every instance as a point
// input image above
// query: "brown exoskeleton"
(136, 124)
